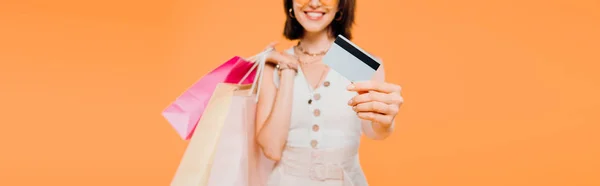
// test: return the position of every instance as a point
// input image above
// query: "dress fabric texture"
(324, 136)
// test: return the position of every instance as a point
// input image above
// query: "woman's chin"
(315, 28)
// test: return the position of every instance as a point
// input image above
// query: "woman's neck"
(316, 42)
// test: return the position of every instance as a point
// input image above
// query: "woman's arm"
(274, 108)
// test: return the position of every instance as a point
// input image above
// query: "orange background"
(497, 92)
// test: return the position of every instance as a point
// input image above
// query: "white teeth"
(314, 14)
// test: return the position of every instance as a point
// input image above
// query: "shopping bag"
(238, 160)
(184, 113)
(223, 150)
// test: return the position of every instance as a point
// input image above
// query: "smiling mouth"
(314, 15)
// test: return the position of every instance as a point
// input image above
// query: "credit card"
(350, 60)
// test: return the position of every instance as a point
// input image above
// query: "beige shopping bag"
(222, 150)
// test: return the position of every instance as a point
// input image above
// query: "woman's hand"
(378, 102)
(286, 64)
(280, 57)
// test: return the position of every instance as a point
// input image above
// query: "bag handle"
(256, 60)
(262, 63)
(259, 61)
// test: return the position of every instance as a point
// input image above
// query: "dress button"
(315, 128)
(317, 96)
(326, 83)
(314, 143)
(317, 112)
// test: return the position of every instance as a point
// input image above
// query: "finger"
(371, 96)
(396, 99)
(377, 107)
(374, 86)
(361, 92)
(376, 117)
(273, 57)
(278, 57)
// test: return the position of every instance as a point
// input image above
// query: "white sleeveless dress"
(324, 136)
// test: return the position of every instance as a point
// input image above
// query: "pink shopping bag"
(187, 109)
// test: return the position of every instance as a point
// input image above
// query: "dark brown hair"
(293, 30)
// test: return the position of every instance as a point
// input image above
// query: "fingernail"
(350, 102)
(350, 87)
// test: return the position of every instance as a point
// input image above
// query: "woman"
(309, 118)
